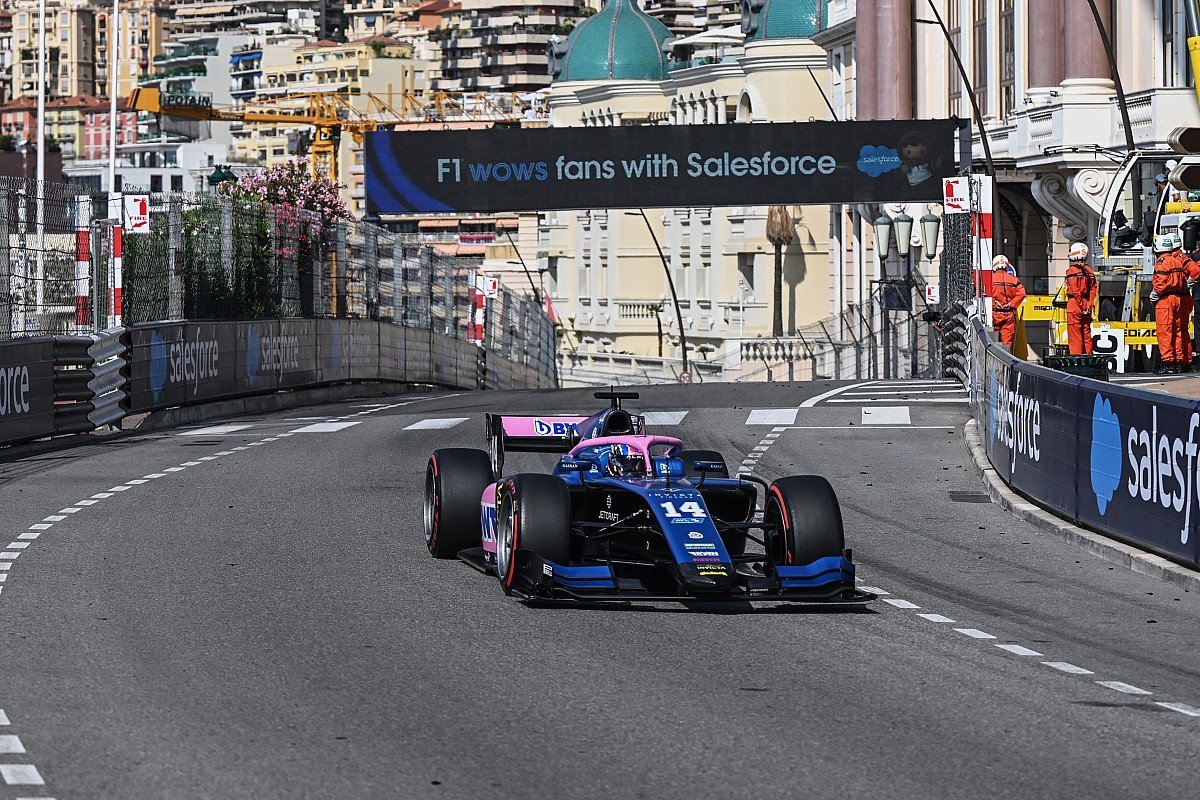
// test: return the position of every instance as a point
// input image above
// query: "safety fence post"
(6, 297)
(175, 257)
(83, 264)
(371, 270)
(227, 237)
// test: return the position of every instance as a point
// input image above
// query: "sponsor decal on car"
(695, 535)
(554, 427)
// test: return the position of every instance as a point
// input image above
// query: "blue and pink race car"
(626, 515)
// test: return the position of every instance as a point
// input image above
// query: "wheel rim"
(504, 540)
(430, 507)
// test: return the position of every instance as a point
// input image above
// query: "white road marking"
(137, 481)
(935, 617)
(663, 417)
(42, 526)
(186, 464)
(5, 566)
(974, 633)
(771, 437)
(17, 545)
(3, 577)
(55, 518)
(325, 427)
(11, 744)
(871, 427)
(120, 489)
(208, 458)
(886, 415)
(874, 590)
(239, 448)
(435, 424)
(86, 502)
(1180, 707)
(3, 717)
(303, 419)
(281, 436)
(216, 430)
(772, 416)
(1018, 650)
(910, 400)
(29, 535)
(174, 469)
(1066, 666)
(21, 775)
(812, 401)
(900, 603)
(101, 495)
(154, 475)
(71, 510)
(271, 439)
(877, 392)
(225, 453)
(254, 444)
(1122, 687)
(9, 556)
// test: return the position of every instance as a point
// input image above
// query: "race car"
(626, 515)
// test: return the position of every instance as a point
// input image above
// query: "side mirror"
(708, 467)
(668, 467)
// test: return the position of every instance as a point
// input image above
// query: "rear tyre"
(454, 483)
(533, 512)
(803, 520)
(691, 456)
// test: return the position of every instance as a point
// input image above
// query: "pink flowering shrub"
(291, 186)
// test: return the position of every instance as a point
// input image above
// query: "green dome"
(778, 19)
(619, 42)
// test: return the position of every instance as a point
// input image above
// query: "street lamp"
(670, 285)
(220, 175)
(883, 237)
(904, 226)
(930, 225)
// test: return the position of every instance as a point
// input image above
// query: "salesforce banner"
(26, 389)
(1114, 458)
(646, 166)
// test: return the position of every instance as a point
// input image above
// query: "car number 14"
(688, 509)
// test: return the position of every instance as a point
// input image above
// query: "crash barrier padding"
(1113, 458)
(1086, 366)
(73, 384)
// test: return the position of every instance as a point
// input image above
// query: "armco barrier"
(1113, 458)
(72, 384)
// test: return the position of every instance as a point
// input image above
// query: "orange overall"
(1007, 296)
(1173, 308)
(1081, 291)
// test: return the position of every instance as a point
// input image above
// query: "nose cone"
(707, 578)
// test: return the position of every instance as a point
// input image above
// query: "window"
(156, 183)
(1008, 59)
(176, 183)
(979, 54)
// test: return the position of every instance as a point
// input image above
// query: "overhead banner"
(647, 166)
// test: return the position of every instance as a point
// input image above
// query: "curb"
(1097, 544)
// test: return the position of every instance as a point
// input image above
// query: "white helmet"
(1166, 242)
(1000, 262)
(1078, 252)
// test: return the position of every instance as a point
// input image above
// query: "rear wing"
(530, 435)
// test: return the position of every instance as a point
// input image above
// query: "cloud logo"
(876, 161)
(158, 364)
(253, 354)
(1106, 452)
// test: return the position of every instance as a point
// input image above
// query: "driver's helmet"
(624, 461)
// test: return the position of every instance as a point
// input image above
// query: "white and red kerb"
(476, 300)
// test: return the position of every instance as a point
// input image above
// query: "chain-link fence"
(38, 265)
(213, 257)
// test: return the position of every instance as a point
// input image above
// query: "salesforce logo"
(158, 364)
(1107, 453)
(876, 161)
(253, 353)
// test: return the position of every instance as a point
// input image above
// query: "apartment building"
(501, 45)
(70, 48)
(317, 18)
(142, 31)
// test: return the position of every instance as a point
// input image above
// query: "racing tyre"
(690, 456)
(803, 520)
(454, 482)
(533, 512)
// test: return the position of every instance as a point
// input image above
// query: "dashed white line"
(154, 475)
(3, 717)
(208, 458)
(11, 744)
(935, 617)
(174, 469)
(1018, 650)
(17, 545)
(1121, 686)
(55, 518)
(1066, 666)
(772, 416)
(225, 453)
(30, 535)
(86, 502)
(435, 424)
(974, 633)
(9, 556)
(874, 590)
(120, 488)
(900, 603)
(5, 566)
(1182, 708)
(326, 427)
(42, 526)
(185, 464)
(21, 775)
(215, 430)
(137, 481)
(101, 495)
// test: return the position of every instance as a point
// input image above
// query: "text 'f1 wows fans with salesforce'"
(626, 516)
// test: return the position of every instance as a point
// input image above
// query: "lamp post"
(883, 244)
(930, 226)
(670, 285)
(537, 296)
(904, 226)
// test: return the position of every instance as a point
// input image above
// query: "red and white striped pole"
(115, 290)
(83, 264)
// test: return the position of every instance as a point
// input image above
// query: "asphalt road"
(262, 621)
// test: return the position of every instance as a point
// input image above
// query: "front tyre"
(533, 513)
(454, 482)
(803, 521)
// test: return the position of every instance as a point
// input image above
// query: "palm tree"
(779, 234)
